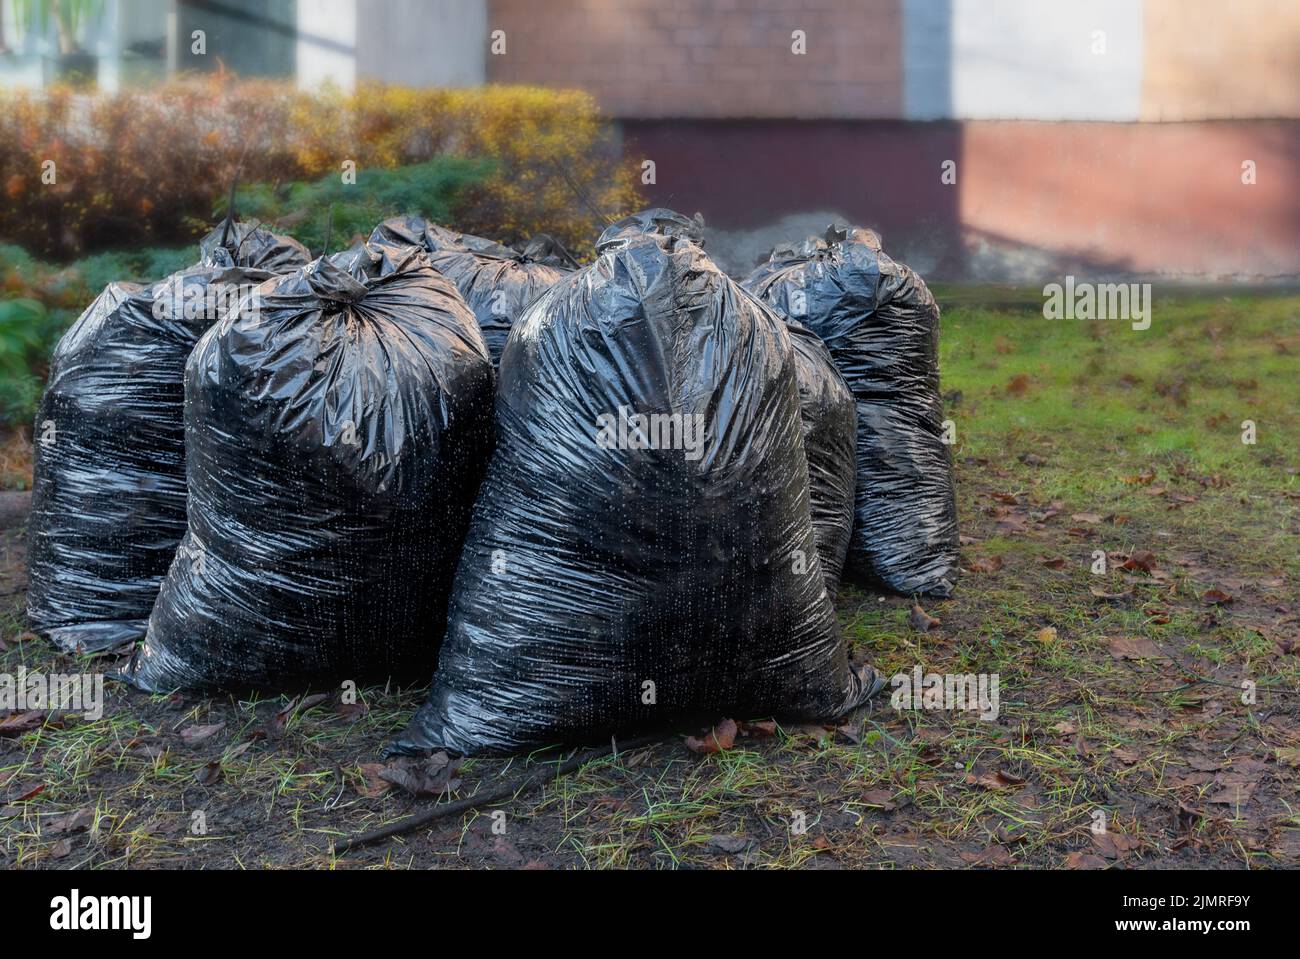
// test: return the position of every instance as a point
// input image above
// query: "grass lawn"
(1123, 738)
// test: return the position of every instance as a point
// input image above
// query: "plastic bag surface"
(337, 429)
(829, 416)
(630, 564)
(496, 281)
(108, 503)
(881, 326)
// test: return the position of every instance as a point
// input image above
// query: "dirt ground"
(1147, 715)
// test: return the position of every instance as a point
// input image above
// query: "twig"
(518, 786)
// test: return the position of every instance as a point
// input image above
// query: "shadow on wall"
(757, 180)
(1032, 201)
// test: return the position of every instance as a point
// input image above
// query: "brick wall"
(708, 58)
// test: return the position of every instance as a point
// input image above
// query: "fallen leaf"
(721, 737)
(884, 798)
(730, 844)
(1065, 727)
(61, 849)
(1009, 498)
(1084, 860)
(1114, 845)
(922, 621)
(71, 822)
(21, 722)
(1018, 384)
(993, 780)
(1136, 648)
(423, 776)
(762, 729)
(374, 784)
(208, 774)
(1055, 562)
(1143, 559)
(193, 735)
(1103, 594)
(351, 711)
(1047, 634)
(987, 564)
(1215, 597)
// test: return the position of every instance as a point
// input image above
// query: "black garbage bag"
(881, 326)
(337, 429)
(631, 562)
(829, 416)
(825, 405)
(496, 281)
(658, 221)
(108, 502)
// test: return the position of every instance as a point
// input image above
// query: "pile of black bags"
(496, 281)
(108, 505)
(881, 326)
(337, 427)
(638, 522)
(634, 557)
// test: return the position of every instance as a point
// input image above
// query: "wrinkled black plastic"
(594, 567)
(496, 281)
(881, 326)
(337, 429)
(658, 221)
(829, 416)
(108, 503)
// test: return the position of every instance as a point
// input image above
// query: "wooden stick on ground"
(517, 786)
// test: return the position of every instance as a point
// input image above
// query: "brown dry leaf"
(1018, 384)
(1084, 860)
(21, 722)
(193, 735)
(922, 621)
(61, 849)
(71, 822)
(1136, 648)
(1215, 597)
(1065, 727)
(1046, 635)
(374, 785)
(1142, 559)
(721, 737)
(1009, 498)
(1289, 756)
(1103, 594)
(423, 776)
(1055, 562)
(762, 729)
(884, 798)
(1126, 755)
(993, 780)
(208, 774)
(351, 711)
(986, 564)
(992, 856)
(1114, 845)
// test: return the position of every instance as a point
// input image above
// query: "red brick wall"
(708, 58)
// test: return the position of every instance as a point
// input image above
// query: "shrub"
(306, 210)
(150, 166)
(27, 335)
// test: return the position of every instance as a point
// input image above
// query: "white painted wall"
(327, 43)
(1022, 59)
(423, 42)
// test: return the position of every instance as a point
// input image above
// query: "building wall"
(1205, 59)
(692, 58)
